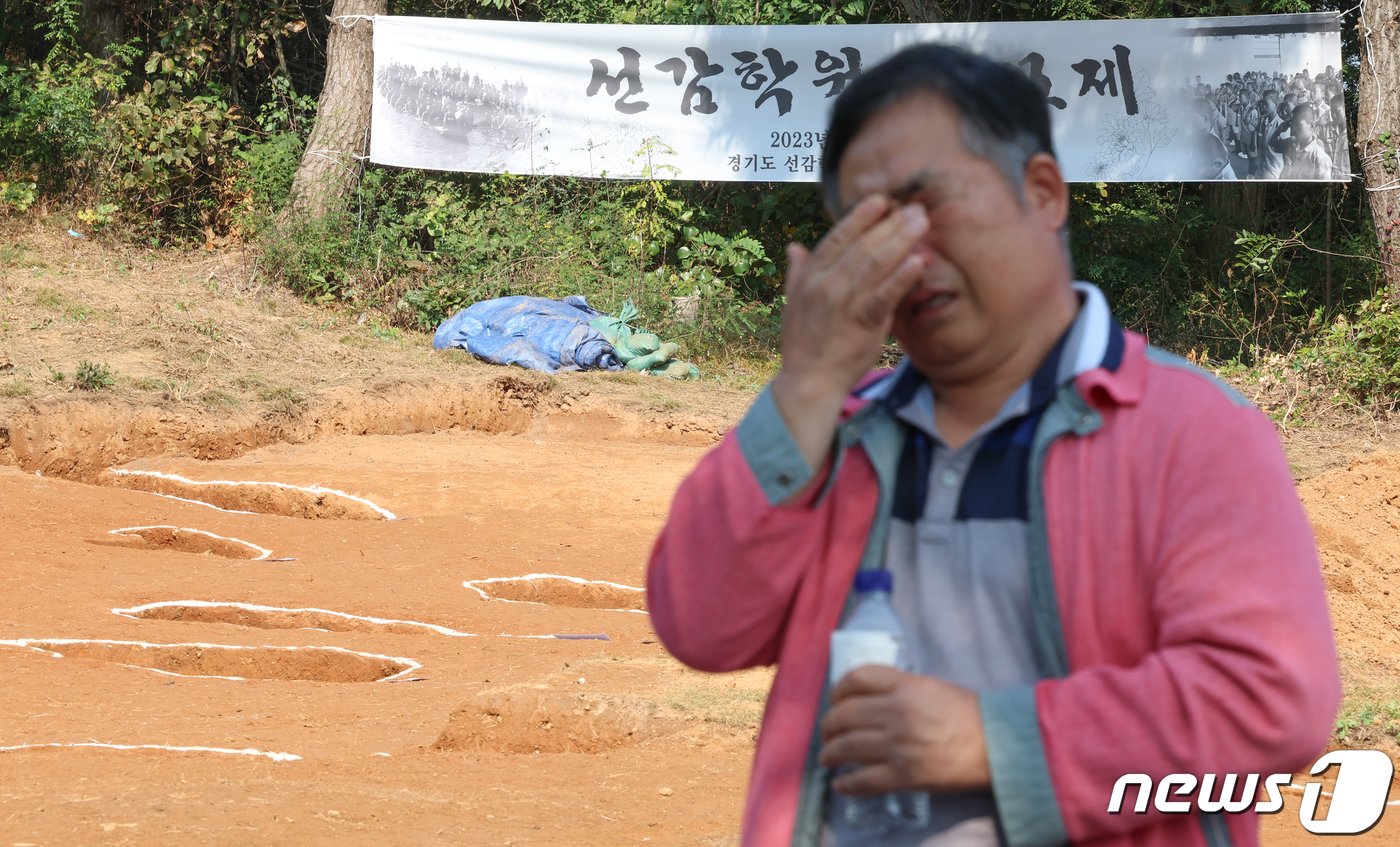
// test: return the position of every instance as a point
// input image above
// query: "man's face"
(991, 261)
(1303, 127)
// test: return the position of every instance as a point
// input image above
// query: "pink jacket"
(1178, 600)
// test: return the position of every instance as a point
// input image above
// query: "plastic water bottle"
(873, 635)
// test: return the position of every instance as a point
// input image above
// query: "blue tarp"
(532, 332)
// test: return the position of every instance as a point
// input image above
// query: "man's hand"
(910, 732)
(841, 299)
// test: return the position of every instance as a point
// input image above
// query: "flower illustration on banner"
(1100, 168)
(1126, 142)
(1118, 138)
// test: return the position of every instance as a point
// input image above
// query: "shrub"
(50, 117)
(1361, 354)
(174, 162)
(91, 376)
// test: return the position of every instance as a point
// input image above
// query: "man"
(1335, 138)
(1270, 123)
(1250, 111)
(1304, 155)
(1209, 158)
(1097, 548)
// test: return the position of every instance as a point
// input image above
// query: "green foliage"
(1260, 302)
(310, 257)
(91, 376)
(196, 43)
(174, 156)
(194, 127)
(154, 126)
(1360, 354)
(50, 118)
(18, 196)
(99, 218)
(655, 11)
(1366, 718)
(423, 246)
(270, 151)
(268, 166)
(1135, 241)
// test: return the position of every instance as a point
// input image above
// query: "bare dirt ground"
(423, 625)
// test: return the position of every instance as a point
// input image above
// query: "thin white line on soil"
(473, 583)
(134, 612)
(30, 644)
(262, 552)
(197, 503)
(247, 751)
(309, 489)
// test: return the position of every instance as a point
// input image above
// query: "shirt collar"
(1093, 340)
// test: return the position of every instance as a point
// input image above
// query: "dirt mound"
(81, 438)
(1355, 513)
(533, 721)
(554, 590)
(184, 540)
(316, 664)
(78, 439)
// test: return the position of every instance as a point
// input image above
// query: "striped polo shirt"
(958, 541)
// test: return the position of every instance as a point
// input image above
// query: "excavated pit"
(533, 721)
(257, 497)
(556, 590)
(275, 617)
(185, 540)
(311, 664)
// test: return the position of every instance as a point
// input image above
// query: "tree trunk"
(330, 167)
(100, 26)
(922, 11)
(1377, 133)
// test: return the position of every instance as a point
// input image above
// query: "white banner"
(1168, 100)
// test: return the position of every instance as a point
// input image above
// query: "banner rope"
(330, 154)
(354, 19)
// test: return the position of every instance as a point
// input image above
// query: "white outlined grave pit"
(163, 748)
(326, 620)
(185, 539)
(279, 617)
(311, 502)
(229, 661)
(557, 590)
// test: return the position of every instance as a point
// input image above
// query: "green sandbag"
(676, 369)
(683, 370)
(643, 343)
(663, 354)
(647, 362)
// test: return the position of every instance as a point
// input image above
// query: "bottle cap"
(874, 580)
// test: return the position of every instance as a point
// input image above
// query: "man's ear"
(1047, 194)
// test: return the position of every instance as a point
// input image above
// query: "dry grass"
(193, 331)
